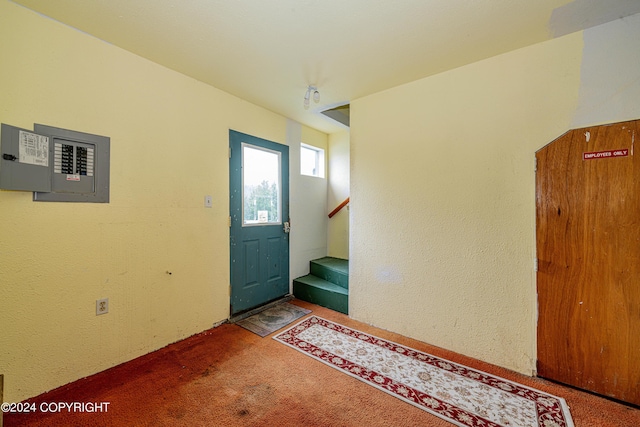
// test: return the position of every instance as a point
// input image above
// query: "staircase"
(327, 285)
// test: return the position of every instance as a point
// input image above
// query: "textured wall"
(442, 188)
(339, 164)
(169, 139)
(442, 210)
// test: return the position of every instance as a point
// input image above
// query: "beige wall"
(169, 139)
(442, 213)
(442, 189)
(339, 164)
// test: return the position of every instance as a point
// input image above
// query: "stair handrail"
(340, 206)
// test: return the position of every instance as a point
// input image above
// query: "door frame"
(269, 274)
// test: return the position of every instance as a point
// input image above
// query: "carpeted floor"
(229, 376)
(454, 392)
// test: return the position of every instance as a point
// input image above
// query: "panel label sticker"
(33, 149)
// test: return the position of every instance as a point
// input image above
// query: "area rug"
(273, 318)
(456, 393)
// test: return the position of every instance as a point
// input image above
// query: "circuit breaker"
(58, 165)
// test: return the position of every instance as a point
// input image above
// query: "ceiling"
(268, 52)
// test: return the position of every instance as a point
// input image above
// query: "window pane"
(308, 161)
(261, 185)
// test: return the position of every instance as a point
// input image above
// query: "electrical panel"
(58, 165)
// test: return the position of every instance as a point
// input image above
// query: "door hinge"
(229, 152)
(535, 164)
(229, 221)
(535, 264)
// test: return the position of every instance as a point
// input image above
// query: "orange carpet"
(465, 397)
(229, 376)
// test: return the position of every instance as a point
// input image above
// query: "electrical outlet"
(102, 306)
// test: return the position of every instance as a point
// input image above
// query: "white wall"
(308, 200)
(609, 88)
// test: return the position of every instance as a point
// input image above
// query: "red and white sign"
(605, 154)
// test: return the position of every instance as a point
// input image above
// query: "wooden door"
(588, 250)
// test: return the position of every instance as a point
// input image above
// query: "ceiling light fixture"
(307, 96)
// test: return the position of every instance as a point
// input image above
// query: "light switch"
(208, 201)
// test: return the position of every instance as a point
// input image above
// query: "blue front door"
(259, 210)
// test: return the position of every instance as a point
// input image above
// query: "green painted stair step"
(318, 291)
(334, 270)
(327, 285)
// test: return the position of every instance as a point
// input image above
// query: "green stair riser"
(333, 299)
(332, 270)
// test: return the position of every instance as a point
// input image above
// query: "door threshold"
(240, 316)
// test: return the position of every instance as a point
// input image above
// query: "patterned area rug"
(273, 318)
(456, 393)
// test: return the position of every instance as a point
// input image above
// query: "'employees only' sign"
(605, 154)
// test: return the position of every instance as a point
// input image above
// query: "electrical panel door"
(25, 162)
